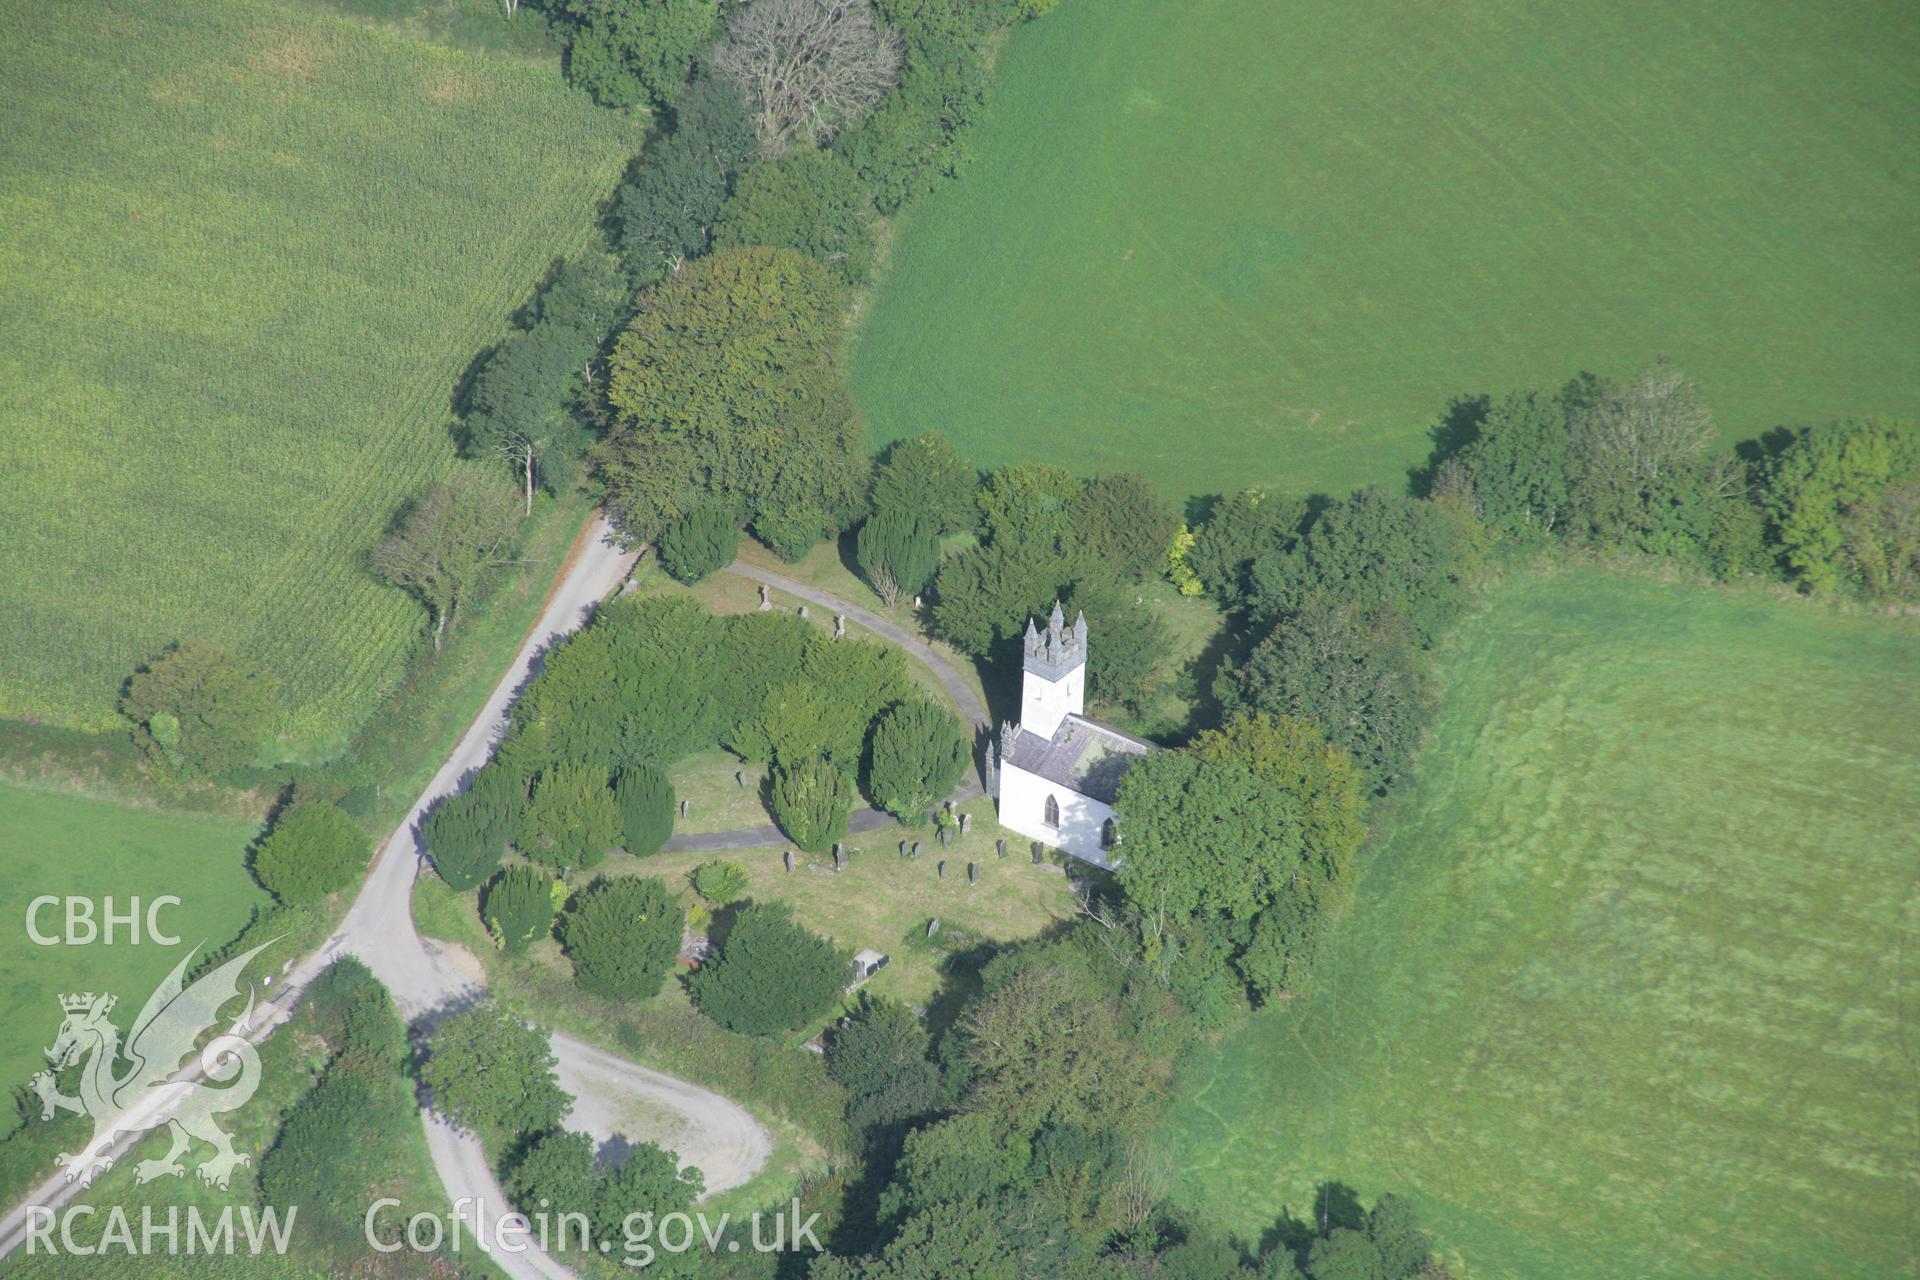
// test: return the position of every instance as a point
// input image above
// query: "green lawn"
(1626, 990)
(250, 249)
(1240, 242)
(71, 845)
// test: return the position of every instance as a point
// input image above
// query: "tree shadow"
(1294, 1234)
(959, 983)
(1762, 450)
(1457, 428)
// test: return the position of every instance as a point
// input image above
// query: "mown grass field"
(1239, 242)
(249, 249)
(62, 844)
(1628, 988)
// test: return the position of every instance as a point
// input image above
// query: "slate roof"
(1083, 755)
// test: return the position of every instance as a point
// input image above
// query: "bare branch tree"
(808, 68)
(1144, 1181)
(885, 585)
(447, 536)
(521, 450)
(1646, 427)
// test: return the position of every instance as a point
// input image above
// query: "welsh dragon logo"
(148, 1092)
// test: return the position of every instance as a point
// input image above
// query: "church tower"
(1055, 682)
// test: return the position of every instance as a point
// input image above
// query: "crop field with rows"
(232, 323)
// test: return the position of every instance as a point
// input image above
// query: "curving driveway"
(915, 647)
(614, 1099)
(429, 979)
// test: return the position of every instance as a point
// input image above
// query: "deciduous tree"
(198, 709)
(491, 1073)
(1374, 551)
(1295, 756)
(809, 201)
(446, 539)
(667, 210)
(1205, 835)
(1357, 674)
(1845, 504)
(723, 390)
(807, 68)
(636, 52)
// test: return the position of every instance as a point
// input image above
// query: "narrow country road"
(428, 979)
(614, 1099)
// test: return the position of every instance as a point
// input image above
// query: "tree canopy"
(809, 201)
(623, 934)
(1205, 835)
(200, 710)
(447, 537)
(636, 52)
(313, 850)
(489, 1072)
(1845, 501)
(917, 756)
(723, 390)
(771, 975)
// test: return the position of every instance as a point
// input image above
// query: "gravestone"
(973, 873)
(1000, 847)
(903, 848)
(839, 858)
(966, 823)
(839, 626)
(787, 858)
(943, 868)
(933, 926)
(916, 848)
(766, 598)
(686, 807)
(803, 611)
(740, 776)
(1039, 853)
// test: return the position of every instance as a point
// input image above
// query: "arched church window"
(1051, 814)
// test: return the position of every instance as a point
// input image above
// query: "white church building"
(1058, 771)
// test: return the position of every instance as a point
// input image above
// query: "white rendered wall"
(1045, 703)
(1023, 801)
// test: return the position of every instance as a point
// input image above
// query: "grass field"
(249, 250)
(64, 844)
(1241, 242)
(1628, 987)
